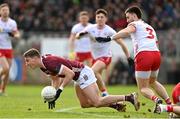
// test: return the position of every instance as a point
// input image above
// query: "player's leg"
(88, 59)
(142, 72)
(83, 100)
(160, 90)
(5, 77)
(91, 92)
(4, 72)
(167, 108)
(98, 67)
(87, 82)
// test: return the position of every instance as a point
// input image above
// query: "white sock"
(163, 108)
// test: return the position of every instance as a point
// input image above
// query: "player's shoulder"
(10, 20)
(75, 26)
(108, 27)
(139, 23)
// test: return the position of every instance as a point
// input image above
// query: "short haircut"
(103, 11)
(134, 9)
(4, 5)
(31, 53)
(82, 13)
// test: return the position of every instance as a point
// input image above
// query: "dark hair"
(103, 11)
(82, 13)
(31, 53)
(4, 5)
(134, 9)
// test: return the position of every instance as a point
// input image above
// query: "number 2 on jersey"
(150, 33)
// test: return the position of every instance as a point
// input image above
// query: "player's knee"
(6, 69)
(143, 90)
(97, 104)
(85, 105)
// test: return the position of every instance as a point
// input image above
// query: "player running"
(147, 55)
(8, 28)
(80, 48)
(65, 70)
(100, 34)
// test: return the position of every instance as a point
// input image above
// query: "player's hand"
(130, 62)
(103, 40)
(82, 34)
(58, 92)
(52, 104)
(10, 34)
(72, 55)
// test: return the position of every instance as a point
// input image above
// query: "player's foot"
(120, 107)
(157, 109)
(173, 116)
(134, 100)
(159, 101)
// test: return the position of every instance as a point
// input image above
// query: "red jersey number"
(150, 33)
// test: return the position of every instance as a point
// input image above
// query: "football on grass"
(48, 93)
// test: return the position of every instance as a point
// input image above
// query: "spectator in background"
(39, 14)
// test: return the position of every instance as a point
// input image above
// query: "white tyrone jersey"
(83, 44)
(8, 26)
(144, 38)
(101, 49)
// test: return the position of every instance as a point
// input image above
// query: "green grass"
(26, 102)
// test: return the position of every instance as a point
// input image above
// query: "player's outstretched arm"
(124, 32)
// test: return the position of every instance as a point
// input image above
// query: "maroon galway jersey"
(53, 65)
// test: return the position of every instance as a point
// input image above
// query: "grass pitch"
(26, 102)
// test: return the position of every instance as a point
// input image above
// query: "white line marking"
(69, 110)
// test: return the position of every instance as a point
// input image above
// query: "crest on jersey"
(85, 77)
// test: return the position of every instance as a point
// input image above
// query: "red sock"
(168, 101)
(154, 98)
(169, 108)
(102, 90)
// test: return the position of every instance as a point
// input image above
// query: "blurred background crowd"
(61, 15)
(55, 18)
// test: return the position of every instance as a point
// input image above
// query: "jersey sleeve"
(112, 31)
(74, 29)
(133, 24)
(14, 26)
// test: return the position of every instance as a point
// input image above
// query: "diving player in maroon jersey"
(64, 71)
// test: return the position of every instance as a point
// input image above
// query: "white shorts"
(146, 74)
(86, 77)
